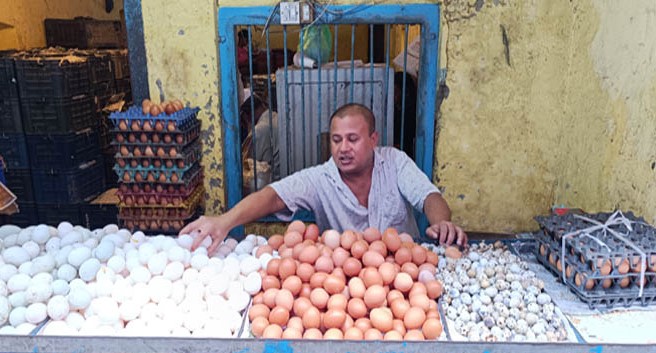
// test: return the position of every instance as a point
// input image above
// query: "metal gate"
(365, 83)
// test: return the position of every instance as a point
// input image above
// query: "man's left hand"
(447, 233)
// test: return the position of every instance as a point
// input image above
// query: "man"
(362, 185)
(265, 147)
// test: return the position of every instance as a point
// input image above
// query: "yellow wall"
(26, 17)
(566, 118)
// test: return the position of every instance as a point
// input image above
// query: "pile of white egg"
(490, 295)
(111, 282)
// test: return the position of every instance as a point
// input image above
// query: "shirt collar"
(332, 171)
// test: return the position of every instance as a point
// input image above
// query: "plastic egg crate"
(146, 175)
(134, 119)
(604, 280)
(133, 203)
(183, 190)
(182, 160)
(184, 134)
(157, 225)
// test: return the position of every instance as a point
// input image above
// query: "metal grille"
(285, 119)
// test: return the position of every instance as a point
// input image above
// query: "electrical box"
(295, 12)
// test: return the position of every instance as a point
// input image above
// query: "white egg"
(15, 255)
(66, 272)
(264, 260)
(138, 237)
(25, 329)
(190, 275)
(41, 234)
(72, 237)
(234, 319)
(122, 291)
(205, 274)
(217, 328)
(110, 228)
(98, 233)
(157, 241)
(244, 247)
(251, 238)
(10, 240)
(17, 315)
(75, 320)
(104, 287)
(58, 307)
(175, 253)
(140, 274)
(38, 292)
(185, 241)
(174, 316)
(89, 268)
(64, 228)
(116, 263)
(25, 268)
(217, 306)
(7, 271)
(36, 313)
(174, 271)
(106, 273)
(61, 256)
(159, 288)
(8, 229)
(43, 277)
(18, 282)
(223, 251)
(107, 310)
(129, 310)
(60, 287)
(90, 243)
(157, 263)
(146, 250)
(194, 320)
(148, 312)
(78, 255)
(79, 298)
(44, 263)
(239, 300)
(168, 243)
(17, 299)
(53, 245)
(4, 310)
(24, 236)
(217, 263)
(178, 291)
(261, 240)
(231, 243)
(104, 251)
(78, 283)
(140, 293)
(248, 265)
(252, 283)
(58, 328)
(8, 330)
(3, 289)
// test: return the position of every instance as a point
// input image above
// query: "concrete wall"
(26, 18)
(551, 102)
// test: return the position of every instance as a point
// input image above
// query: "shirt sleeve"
(297, 191)
(413, 184)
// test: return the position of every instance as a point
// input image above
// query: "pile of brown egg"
(368, 285)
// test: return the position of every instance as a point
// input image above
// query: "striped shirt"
(397, 187)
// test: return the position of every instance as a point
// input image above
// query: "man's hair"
(356, 109)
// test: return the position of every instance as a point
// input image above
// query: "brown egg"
(381, 319)
(291, 332)
(296, 250)
(273, 267)
(272, 331)
(391, 239)
(305, 291)
(406, 238)
(269, 298)
(371, 234)
(433, 313)
(403, 282)
(301, 305)
(312, 334)
(177, 104)
(403, 256)
(374, 296)
(334, 319)
(171, 126)
(292, 238)
(285, 252)
(418, 254)
(287, 268)
(428, 267)
(304, 271)
(309, 255)
(324, 264)
(372, 259)
(263, 249)
(348, 323)
(319, 298)
(356, 308)
(414, 318)
(258, 325)
(359, 248)
(417, 288)
(434, 289)
(311, 318)
(420, 300)
(351, 266)
(622, 266)
(339, 256)
(398, 326)
(292, 284)
(356, 287)
(373, 334)
(399, 308)
(431, 258)
(333, 284)
(347, 239)
(337, 302)
(155, 110)
(393, 335)
(379, 247)
(279, 316)
(578, 280)
(333, 334)
(452, 252)
(316, 281)
(414, 335)
(295, 322)
(270, 282)
(311, 232)
(284, 299)
(393, 295)
(353, 333)
(275, 241)
(123, 125)
(363, 324)
(371, 277)
(387, 272)
(411, 269)
(324, 250)
(258, 310)
(432, 329)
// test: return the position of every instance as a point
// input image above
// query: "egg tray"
(173, 175)
(184, 160)
(159, 189)
(129, 204)
(170, 226)
(135, 114)
(182, 135)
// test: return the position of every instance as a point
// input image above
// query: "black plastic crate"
(55, 213)
(19, 181)
(98, 215)
(27, 215)
(111, 179)
(63, 150)
(71, 185)
(52, 76)
(10, 116)
(100, 66)
(52, 115)
(8, 87)
(13, 148)
(120, 64)
(84, 33)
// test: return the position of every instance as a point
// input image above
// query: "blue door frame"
(426, 15)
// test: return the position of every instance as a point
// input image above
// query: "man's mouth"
(345, 159)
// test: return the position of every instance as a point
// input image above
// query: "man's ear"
(374, 138)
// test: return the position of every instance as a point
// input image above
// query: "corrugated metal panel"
(300, 125)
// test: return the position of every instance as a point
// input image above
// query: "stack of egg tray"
(158, 167)
(602, 270)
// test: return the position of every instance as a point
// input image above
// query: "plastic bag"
(317, 43)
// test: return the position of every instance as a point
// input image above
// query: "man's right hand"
(206, 226)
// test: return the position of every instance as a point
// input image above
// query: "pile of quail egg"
(490, 295)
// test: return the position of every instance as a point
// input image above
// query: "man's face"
(351, 145)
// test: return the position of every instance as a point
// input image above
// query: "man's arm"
(439, 216)
(251, 208)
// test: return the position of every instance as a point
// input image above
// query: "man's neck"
(359, 184)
